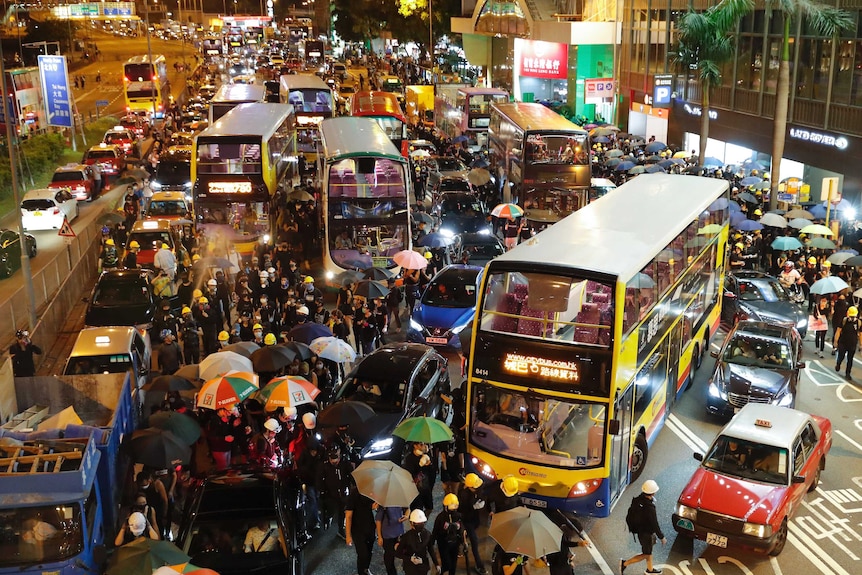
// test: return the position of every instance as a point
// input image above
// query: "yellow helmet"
(308, 280)
(269, 339)
(197, 294)
(203, 300)
(133, 245)
(223, 336)
(185, 310)
(757, 212)
(827, 264)
(196, 257)
(450, 501)
(739, 245)
(428, 255)
(165, 246)
(109, 242)
(853, 311)
(473, 481)
(256, 326)
(812, 260)
(509, 486)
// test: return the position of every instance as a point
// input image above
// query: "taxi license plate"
(717, 540)
(37, 213)
(534, 502)
(437, 340)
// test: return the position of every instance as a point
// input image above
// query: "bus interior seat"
(521, 292)
(599, 297)
(509, 305)
(529, 326)
(605, 318)
(589, 314)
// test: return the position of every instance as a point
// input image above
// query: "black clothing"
(448, 534)
(649, 521)
(414, 549)
(362, 529)
(22, 359)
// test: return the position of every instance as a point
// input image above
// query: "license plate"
(534, 502)
(37, 213)
(717, 540)
(437, 340)
(685, 524)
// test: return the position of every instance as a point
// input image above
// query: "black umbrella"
(169, 383)
(244, 348)
(271, 358)
(353, 413)
(378, 274)
(348, 276)
(370, 289)
(299, 349)
(159, 448)
(185, 427)
(308, 332)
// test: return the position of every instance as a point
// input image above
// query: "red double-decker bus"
(383, 107)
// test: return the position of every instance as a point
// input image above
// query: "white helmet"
(309, 421)
(263, 275)
(272, 425)
(418, 516)
(212, 283)
(290, 412)
(650, 487)
(271, 271)
(302, 310)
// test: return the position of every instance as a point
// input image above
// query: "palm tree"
(827, 21)
(706, 42)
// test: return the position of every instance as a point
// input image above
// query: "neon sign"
(839, 142)
(230, 188)
(548, 368)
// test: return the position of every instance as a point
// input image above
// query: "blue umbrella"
(480, 163)
(733, 207)
(308, 332)
(436, 240)
(842, 205)
(624, 166)
(737, 218)
(459, 139)
(848, 251)
(667, 164)
(750, 181)
(720, 204)
(752, 165)
(711, 161)
(749, 226)
(613, 162)
(654, 147)
(601, 139)
(830, 284)
(786, 243)
(655, 169)
(819, 212)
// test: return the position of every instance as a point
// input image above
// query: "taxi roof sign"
(763, 423)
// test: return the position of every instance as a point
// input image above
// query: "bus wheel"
(697, 357)
(639, 456)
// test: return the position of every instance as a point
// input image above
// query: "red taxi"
(753, 478)
(138, 125)
(124, 138)
(150, 235)
(109, 158)
(82, 181)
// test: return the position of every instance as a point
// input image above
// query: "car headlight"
(802, 323)
(380, 446)
(716, 391)
(446, 232)
(686, 512)
(757, 530)
(187, 185)
(154, 185)
(415, 325)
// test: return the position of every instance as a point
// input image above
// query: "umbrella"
(615, 153)
(423, 430)
(308, 332)
(848, 251)
(654, 169)
(243, 348)
(822, 244)
(636, 170)
(271, 358)
(287, 391)
(480, 163)
(799, 213)
(737, 218)
(641, 280)
(749, 226)
(159, 448)
(216, 364)
(299, 349)
(478, 176)
(299, 196)
(189, 372)
(816, 229)
(423, 217)
(719, 204)
(763, 186)
(410, 260)
(227, 390)
(353, 413)
(697, 170)
(654, 158)
(143, 556)
(348, 277)
(420, 153)
(786, 243)
(184, 427)
(459, 139)
(654, 147)
(624, 166)
(379, 274)
(508, 211)
(829, 284)
(746, 197)
(798, 223)
(370, 289)
(733, 207)
(169, 383)
(819, 212)
(711, 161)
(773, 220)
(854, 261)
(752, 165)
(682, 154)
(436, 240)
(604, 131)
(710, 229)
(777, 211)
(613, 162)
(601, 140)
(525, 532)
(839, 258)
(386, 483)
(111, 218)
(333, 349)
(750, 181)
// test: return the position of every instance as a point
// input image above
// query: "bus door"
(675, 371)
(621, 442)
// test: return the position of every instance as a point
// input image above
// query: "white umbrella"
(216, 364)
(773, 221)
(333, 349)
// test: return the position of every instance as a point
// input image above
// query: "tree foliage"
(52, 30)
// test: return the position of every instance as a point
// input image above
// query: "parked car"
(168, 206)
(446, 306)
(480, 248)
(758, 362)
(408, 379)
(122, 297)
(460, 212)
(84, 182)
(10, 251)
(753, 478)
(48, 209)
(756, 295)
(445, 167)
(222, 508)
(125, 138)
(110, 159)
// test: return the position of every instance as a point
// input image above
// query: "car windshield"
(748, 460)
(450, 165)
(766, 290)
(464, 204)
(479, 254)
(117, 138)
(453, 288)
(100, 155)
(167, 208)
(95, 364)
(235, 536)
(117, 293)
(379, 392)
(35, 535)
(755, 350)
(36, 205)
(67, 177)
(454, 184)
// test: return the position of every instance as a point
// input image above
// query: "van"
(110, 350)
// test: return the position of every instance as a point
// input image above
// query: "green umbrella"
(143, 556)
(181, 425)
(822, 244)
(423, 430)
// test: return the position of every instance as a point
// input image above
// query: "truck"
(420, 106)
(61, 482)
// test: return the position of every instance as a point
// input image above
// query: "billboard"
(662, 90)
(598, 90)
(539, 59)
(55, 90)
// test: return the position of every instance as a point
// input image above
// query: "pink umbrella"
(410, 260)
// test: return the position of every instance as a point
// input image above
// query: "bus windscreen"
(139, 72)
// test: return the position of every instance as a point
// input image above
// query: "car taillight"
(56, 211)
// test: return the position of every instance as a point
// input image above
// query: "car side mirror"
(614, 427)
(800, 365)
(798, 479)
(714, 354)
(697, 455)
(730, 295)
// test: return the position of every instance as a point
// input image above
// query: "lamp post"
(150, 59)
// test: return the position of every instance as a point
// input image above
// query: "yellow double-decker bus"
(145, 85)
(586, 334)
(311, 98)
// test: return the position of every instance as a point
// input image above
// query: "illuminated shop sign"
(309, 120)
(821, 138)
(547, 60)
(698, 111)
(548, 368)
(230, 187)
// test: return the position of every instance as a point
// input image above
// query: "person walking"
(561, 562)
(470, 503)
(414, 548)
(390, 527)
(839, 312)
(170, 356)
(448, 534)
(359, 528)
(22, 354)
(820, 314)
(642, 521)
(849, 338)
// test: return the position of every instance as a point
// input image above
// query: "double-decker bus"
(311, 98)
(229, 96)
(464, 110)
(212, 47)
(365, 196)
(541, 160)
(383, 108)
(145, 85)
(238, 165)
(585, 336)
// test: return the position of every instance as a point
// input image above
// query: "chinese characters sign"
(558, 370)
(547, 60)
(55, 90)
(230, 188)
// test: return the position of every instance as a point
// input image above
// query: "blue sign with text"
(55, 90)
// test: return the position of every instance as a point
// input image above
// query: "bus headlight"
(757, 530)
(686, 512)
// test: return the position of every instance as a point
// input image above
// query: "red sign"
(544, 59)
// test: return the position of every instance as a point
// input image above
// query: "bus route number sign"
(553, 369)
(230, 188)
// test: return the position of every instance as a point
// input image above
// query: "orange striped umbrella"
(287, 391)
(227, 390)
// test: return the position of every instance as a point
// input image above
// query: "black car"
(222, 508)
(480, 248)
(460, 212)
(10, 251)
(759, 362)
(122, 297)
(402, 380)
(755, 295)
(174, 172)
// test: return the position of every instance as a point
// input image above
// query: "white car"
(46, 209)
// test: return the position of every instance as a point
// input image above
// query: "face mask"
(319, 366)
(258, 333)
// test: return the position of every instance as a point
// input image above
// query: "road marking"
(600, 561)
(688, 436)
(775, 566)
(849, 440)
(804, 543)
(793, 540)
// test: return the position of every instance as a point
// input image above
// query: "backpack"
(635, 518)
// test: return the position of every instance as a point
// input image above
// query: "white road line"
(675, 421)
(600, 561)
(847, 437)
(804, 543)
(686, 436)
(776, 568)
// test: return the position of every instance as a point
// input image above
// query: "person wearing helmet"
(360, 529)
(22, 354)
(165, 319)
(421, 463)
(301, 315)
(205, 318)
(334, 484)
(737, 256)
(390, 527)
(643, 522)
(503, 496)
(223, 339)
(165, 261)
(269, 339)
(471, 501)
(130, 261)
(257, 330)
(170, 355)
(109, 258)
(415, 547)
(190, 335)
(308, 294)
(448, 534)
(790, 277)
(263, 447)
(849, 338)
(811, 273)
